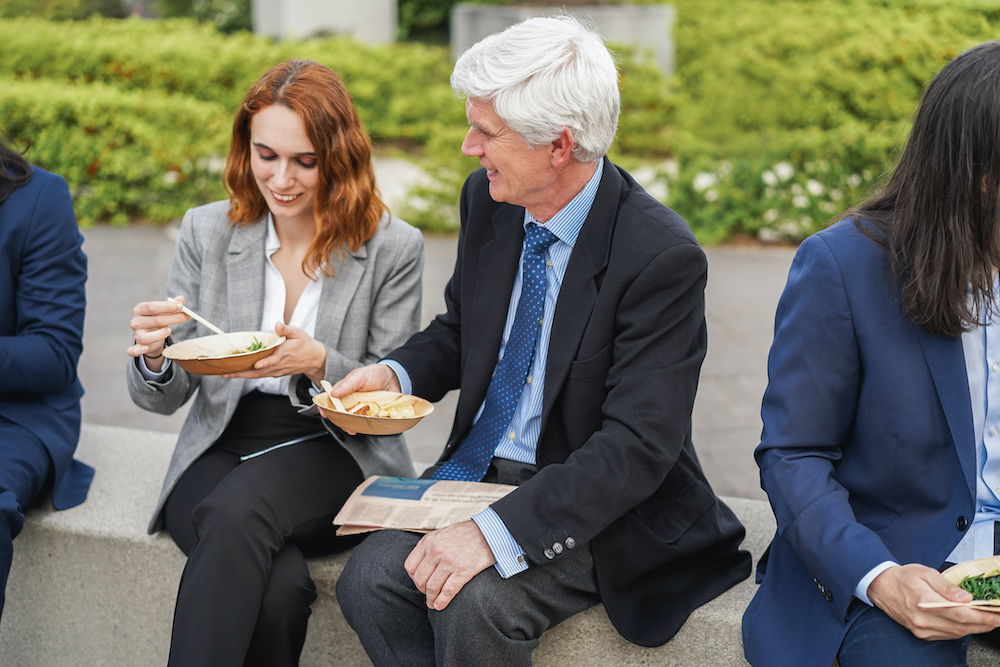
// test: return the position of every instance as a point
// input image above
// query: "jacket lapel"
(946, 361)
(495, 273)
(579, 289)
(245, 271)
(338, 292)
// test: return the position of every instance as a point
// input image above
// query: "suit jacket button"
(570, 543)
(828, 596)
(962, 523)
(548, 553)
(557, 547)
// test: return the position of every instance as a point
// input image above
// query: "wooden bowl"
(372, 425)
(212, 355)
(970, 568)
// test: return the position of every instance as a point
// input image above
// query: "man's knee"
(375, 565)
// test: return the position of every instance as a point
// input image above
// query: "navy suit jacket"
(617, 466)
(43, 273)
(867, 452)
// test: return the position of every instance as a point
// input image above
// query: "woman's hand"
(151, 321)
(300, 353)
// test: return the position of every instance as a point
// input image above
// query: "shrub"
(124, 154)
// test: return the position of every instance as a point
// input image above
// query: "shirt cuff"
(507, 552)
(861, 592)
(152, 376)
(405, 385)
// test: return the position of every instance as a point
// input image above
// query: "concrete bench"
(88, 587)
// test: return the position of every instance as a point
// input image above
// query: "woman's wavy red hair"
(348, 207)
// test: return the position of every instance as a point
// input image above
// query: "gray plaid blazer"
(370, 307)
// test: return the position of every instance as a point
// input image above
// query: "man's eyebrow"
(479, 127)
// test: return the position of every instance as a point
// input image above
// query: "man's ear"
(562, 148)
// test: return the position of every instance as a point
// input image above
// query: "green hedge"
(781, 114)
(125, 154)
(826, 89)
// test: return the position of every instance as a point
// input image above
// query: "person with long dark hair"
(880, 452)
(43, 275)
(304, 247)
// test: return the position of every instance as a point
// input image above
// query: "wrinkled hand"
(151, 321)
(445, 560)
(373, 377)
(300, 353)
(898, 590)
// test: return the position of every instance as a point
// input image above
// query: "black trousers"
(246, 528)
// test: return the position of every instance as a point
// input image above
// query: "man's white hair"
(543, 75)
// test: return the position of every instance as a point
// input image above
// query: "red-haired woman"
(305, 247)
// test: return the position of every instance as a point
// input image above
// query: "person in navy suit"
(43, 272)
(880, 451)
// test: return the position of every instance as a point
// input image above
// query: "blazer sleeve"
(808, 411)
(395, 309)
(166, 396)
(41, 357)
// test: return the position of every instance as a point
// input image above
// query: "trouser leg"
(492, 621)
(242, 587)
(876, 639)
(24, 467)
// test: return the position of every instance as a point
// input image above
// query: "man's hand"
(898, 590)
(373, 377)
(445, 560)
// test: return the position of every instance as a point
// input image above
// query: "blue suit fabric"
(867, 453)
(43, 273)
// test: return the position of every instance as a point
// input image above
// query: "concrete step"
(89, 588)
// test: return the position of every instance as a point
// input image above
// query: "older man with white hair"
(575, 330)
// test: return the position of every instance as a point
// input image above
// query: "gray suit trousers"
(492, 621)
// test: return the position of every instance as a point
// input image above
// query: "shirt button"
(993, 431)
(540, 321)
(548, 262)
(529, 380)
(995, 367)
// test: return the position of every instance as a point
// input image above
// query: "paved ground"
(130, 265)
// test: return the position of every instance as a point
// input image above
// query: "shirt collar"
(271, 243)
(566, 224)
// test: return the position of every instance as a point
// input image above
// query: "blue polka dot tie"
(473, 457)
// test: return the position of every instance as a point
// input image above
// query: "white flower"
(828, 207)
(703, 181)
(170, 178)
(767, 235)
(836, 194)
(854, 180)
(769, 178)
(814, 187)
(711, 195)
(797, 189)
(216, 164)
(672, 168)
(805, 222)
(789, 228)
(725, 168)
(771, 192)
(771, 214)
(800, 200)
(783, 170)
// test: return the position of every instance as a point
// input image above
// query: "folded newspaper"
(416, 505)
